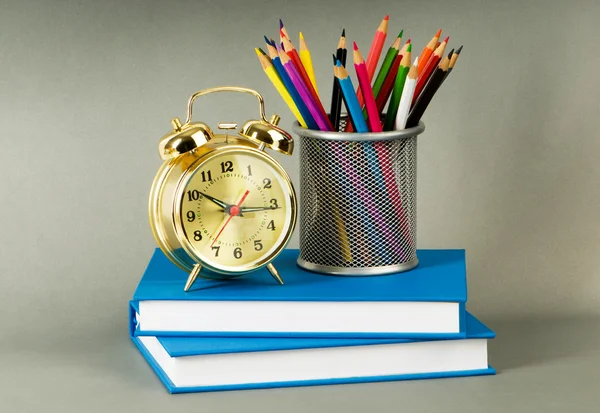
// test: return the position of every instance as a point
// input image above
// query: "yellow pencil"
(307, 62)
(276, 80)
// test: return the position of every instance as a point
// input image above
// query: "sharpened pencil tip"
(338, 63)
(446, 39)
(343, 32)
(280, 24)
(267, 41)
(334, 59)
(257, 50)
(438, 34)
(409, 48)
(401, 33)
(450, 54)
(408, 41)
(301, 36)
(459, 50)
(387, 17)
(354, 45)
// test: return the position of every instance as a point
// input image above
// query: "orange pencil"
(428, 51)
(434, 60)
(290, 50)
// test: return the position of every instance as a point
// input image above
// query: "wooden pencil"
(425, 98)
(272, 74)
(398, 89)
(289, 85)
(406, 99)
(336, 94)
(387, 63)
(306, 60)
(429, 68)
(453, 59)
(428, 50)
(301, 87)
(386, 89)
(290, 50)
(282, 31)
(365, 85)
(374, 53)
(347, 88)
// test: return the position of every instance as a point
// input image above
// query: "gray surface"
(508, 170)
(544, 366)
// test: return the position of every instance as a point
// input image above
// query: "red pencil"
(374, 54)
(290, 50)
(433, 62)
(365, 85)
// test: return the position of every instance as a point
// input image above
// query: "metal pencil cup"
(358, 196)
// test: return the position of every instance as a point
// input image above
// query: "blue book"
(197, 364)
(426, 302)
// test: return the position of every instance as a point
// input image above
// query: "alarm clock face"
(237, 210)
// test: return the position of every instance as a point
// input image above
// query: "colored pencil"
(290, 50)
(282, 31)
(428, 50)
(271, 72)
(429, 68)
(289, 85)
(425, 98)
(398, 90)
(386, 89)
(377, 47)
(387, 63)
(365, 85)
(306, 60)
(336, 93)
(300, 86)
(374, 53)
(406, 100)
(453, 59)
(352, 102)
(403, 50)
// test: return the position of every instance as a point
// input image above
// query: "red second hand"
(235, 210)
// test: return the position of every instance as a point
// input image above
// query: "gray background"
(508, 170)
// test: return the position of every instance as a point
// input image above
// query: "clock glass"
(236, 210)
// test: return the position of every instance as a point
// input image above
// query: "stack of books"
(316, 329)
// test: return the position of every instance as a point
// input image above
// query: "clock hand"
(215, 200)
(256, 209)
(235, 210)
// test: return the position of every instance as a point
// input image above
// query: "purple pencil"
(303, 91)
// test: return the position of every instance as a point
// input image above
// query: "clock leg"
(193, 275)
(274, 273)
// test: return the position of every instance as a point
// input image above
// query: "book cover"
(196, 364)
(428, 301)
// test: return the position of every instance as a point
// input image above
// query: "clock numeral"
(267, 183)
(274, 204)
(271, 225)
(206, 176)
(191, 216)
(197, 235)
(237, 253)
(257, 244)
(226, 166)
(193, 195)
(216, 249)
(249, 170)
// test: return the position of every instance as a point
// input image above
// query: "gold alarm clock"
(220, 206)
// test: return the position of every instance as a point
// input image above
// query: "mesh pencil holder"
(358, 196)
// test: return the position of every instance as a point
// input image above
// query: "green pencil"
(390, 117)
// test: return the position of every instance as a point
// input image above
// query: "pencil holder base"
(357, 272)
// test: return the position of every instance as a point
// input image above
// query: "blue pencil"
(289, 85)
(353, 106)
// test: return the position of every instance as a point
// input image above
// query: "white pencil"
(407, 96)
